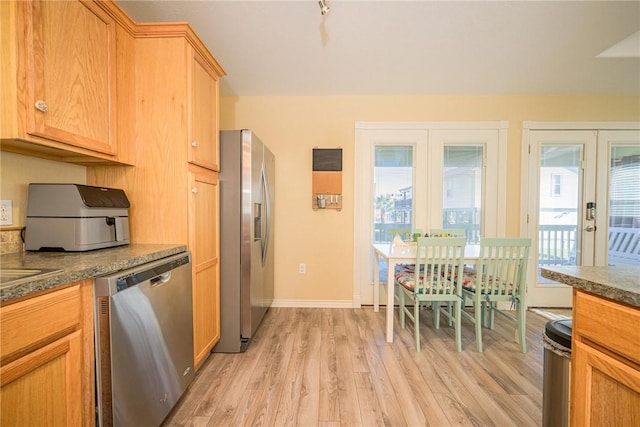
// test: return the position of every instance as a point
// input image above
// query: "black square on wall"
(327, 159)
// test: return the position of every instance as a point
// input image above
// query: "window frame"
(556, 187)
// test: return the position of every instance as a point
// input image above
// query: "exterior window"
(393, 191)
(462, 187)
(556, 185)
(558, 216)
(624, 205)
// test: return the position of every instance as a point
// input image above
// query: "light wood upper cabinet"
(204, 139)
(46, 369)
(605, 363)
(60, 71)
(71, 51)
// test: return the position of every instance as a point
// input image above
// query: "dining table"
(395, 254)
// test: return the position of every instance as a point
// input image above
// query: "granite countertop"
(620, 284)
(76, 266)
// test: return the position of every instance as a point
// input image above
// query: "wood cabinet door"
(203, 149)
(71, 66)
(46, 358)
(203, 242)
(44, 387)
(606, 389)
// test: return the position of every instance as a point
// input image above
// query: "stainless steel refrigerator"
(247, 176)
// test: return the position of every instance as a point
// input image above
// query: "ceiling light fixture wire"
(324, 7)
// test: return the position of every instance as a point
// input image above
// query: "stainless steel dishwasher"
(144, 341)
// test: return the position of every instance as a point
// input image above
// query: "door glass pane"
(393, 194)
(462, 190)
(560, 189)
(624, 206)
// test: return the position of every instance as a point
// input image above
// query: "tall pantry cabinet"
(173, 188)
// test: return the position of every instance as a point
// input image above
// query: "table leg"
(376, 282)
(391, 267)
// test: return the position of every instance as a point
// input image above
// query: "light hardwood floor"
(332, 367)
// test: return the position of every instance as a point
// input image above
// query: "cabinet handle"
(194, 144)
(194, 190)
(42, 106)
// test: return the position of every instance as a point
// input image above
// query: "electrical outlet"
(302, 269)
(6, 213)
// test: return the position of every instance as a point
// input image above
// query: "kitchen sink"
(10, 275)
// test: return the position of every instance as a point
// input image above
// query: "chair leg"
(416, 323)
(449, 310)
(436, 315)
(457, 306)
(401, 298)
(522, 327)
(479, 315)
(492, 314)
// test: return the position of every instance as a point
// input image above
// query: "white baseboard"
(297, 303)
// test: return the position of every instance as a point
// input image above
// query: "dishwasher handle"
(162, 278)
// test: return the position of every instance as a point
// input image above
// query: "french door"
(419, 176)
(583, 204)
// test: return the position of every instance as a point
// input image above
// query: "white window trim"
(363, 178)
(531, 125)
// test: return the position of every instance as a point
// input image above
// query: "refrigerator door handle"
(267, 223)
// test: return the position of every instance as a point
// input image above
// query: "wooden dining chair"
(438, 261)
(446, 232)
(499, 277)
(407, 237)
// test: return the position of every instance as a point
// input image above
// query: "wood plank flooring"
(333, 367)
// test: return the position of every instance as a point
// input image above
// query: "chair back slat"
(435, 258)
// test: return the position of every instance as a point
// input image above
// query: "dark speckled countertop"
(620, 284)
(76, 266)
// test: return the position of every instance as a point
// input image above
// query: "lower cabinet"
(47, 368)
(605, 363)
(203, 236)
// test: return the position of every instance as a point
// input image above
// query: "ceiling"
(287, 48)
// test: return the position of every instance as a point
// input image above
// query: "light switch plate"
(6, 212)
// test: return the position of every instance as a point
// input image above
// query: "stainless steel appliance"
(247, 176)
(74, 217)
(144, 341)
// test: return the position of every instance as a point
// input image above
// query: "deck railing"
(557, 244)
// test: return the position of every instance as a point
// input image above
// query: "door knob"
(590, 228)
(194, 144)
